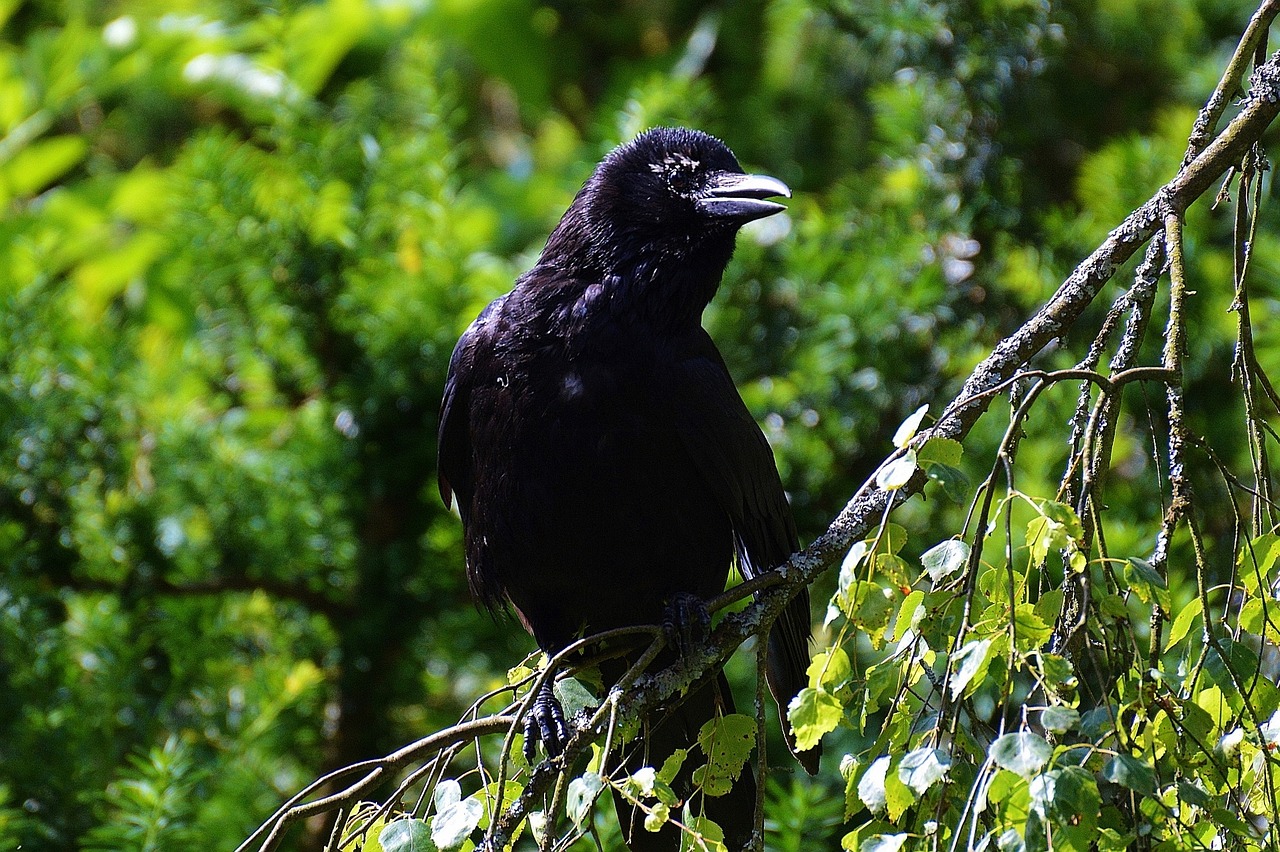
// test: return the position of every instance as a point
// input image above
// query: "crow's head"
(662, 209)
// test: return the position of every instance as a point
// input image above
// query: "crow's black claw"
(545, 723)
(685, 621)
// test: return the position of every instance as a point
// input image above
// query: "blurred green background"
(239, 240)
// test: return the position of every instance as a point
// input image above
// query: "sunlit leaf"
(908, 429)
(727, 742)
(945, 558)
(1182, 624)
(884, 843)
(898, 472)
(582, 794)
(922, 768)
(1022, 752)
(871, 788)
(970, 664)
(407, 835)
(813, 713)
(455, 822)
(830, 669)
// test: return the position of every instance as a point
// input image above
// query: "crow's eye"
(679, 172)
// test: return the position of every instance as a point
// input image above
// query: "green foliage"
(239, 243)
(151, 808)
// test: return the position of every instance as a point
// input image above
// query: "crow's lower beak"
(741, 198)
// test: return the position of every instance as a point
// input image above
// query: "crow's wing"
(455, 468)
(737, 464)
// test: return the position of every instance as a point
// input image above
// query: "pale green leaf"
(1182, 624)
(909, 427)
(813, 713)
(945, 558)
(1023, 752)
(970, 662)
(921, 768)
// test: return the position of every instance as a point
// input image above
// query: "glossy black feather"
(600, 457)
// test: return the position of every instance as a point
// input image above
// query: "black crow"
(603, 463)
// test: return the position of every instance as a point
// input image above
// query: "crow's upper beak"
(741, 198)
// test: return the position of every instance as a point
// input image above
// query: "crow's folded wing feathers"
(737, 464)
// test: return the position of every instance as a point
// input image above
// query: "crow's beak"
(741, 198)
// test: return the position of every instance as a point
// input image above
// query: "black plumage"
(600, 456)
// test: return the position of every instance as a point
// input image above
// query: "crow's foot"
(545, 723)
(685, 621)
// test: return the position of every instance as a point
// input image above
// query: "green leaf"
(671, 766)
(707, 835)
(1064, 810)
(1023, 752)
(574, 697)
(406, 835)
(945, 558)
(1146, 583)
(1110, 840)
(1182, 624)
(898, 797)
(1190, 793)
(727, 742)
(849, 766)
(581, 795)
(970, 666)
(657, 817)
(1243, 665)
(1256, 559)
(1128, 771)
(830, 669)
(867, 606)
(1032, 631)
(1057, 670)
(943, 451)
(1049, 607)
(1261, 617)
(1059, 719)
(40, 164)
(909, 614)
(889, 539)
(813, 713)
(954, 482)
(1097, 722)
(921, 768)
(1056, 528)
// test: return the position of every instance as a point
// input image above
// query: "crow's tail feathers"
(786, 669)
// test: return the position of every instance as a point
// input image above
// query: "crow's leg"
(545, 723)
(685, 621)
